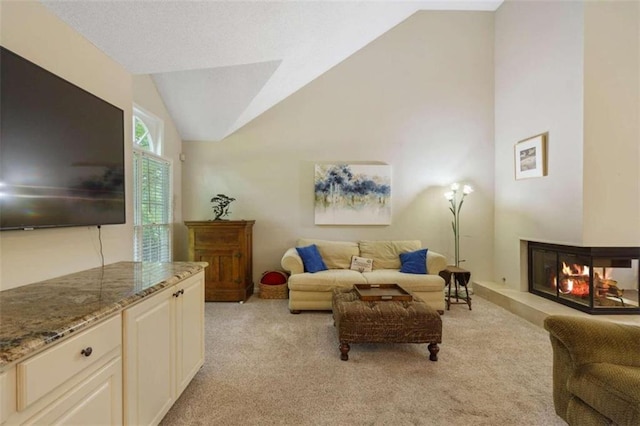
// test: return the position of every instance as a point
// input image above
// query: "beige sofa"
(312, 291)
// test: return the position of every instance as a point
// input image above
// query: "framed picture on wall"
(352, 194)
(531, 157)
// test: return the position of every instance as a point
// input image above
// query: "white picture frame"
(531, 157)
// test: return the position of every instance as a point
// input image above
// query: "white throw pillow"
(362, 264)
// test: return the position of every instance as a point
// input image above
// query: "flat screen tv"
(61, 151)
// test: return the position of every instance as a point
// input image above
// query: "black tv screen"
(61, 151)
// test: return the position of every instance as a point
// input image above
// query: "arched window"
(147, 131)
(141, 136)
(152, 190)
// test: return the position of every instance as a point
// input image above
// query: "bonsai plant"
(221, 206)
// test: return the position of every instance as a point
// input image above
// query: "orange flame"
(575, 279)
(575, 269)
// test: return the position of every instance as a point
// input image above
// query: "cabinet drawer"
(219, 237)
(96, 401)
(44, 372)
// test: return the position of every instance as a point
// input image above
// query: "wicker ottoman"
(358, 321)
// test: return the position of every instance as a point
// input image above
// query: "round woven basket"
(273, 285)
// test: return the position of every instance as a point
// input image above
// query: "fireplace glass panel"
(574, 279)
(544, 271)
(615, 283)
(603, 280)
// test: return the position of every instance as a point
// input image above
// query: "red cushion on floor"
(274, 278)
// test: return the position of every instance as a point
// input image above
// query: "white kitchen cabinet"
(128, 368)
(163, 349)
(189, 332)
(148, 342)
(7, 394)
(76, 381)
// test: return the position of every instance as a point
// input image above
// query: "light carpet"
(265, 366)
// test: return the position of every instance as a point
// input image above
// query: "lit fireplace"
(598, 280)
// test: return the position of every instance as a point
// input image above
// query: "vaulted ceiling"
(220, 64)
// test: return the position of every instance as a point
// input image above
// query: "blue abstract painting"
(352, 194)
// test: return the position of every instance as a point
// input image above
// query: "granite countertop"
(34, 315)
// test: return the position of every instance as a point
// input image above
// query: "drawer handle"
(87, 351)
(178, 293)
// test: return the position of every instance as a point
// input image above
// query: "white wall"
(538, 88)
(419, 98)
(612, 124)
(145, 95)
(572, 69)
(31, 31)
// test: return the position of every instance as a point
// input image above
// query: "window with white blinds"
(152, 221)
(152, 191)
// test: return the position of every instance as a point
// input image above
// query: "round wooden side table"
(460, 278)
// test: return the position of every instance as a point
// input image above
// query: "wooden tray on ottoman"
(382, 292)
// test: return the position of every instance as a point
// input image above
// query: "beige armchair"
(596, 370)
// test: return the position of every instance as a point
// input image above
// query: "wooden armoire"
(227, 245)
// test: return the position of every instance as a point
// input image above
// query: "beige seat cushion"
(386, 254)
(410, 282)
(325, 280)
(335, 254)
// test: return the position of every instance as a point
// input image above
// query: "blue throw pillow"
(311, 258)
(414, 262)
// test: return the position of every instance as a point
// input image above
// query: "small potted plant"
(221, 206)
